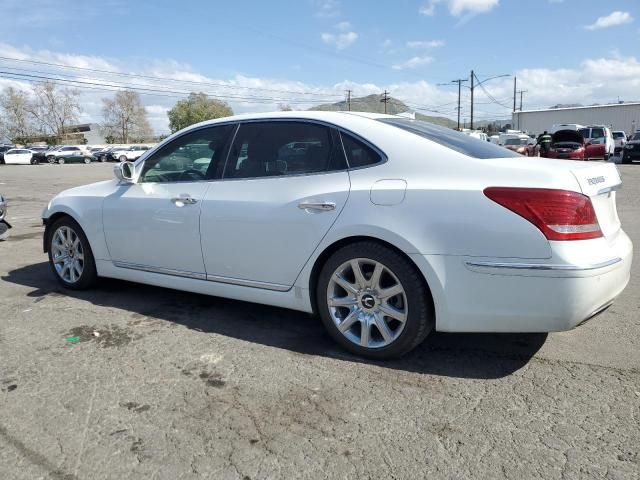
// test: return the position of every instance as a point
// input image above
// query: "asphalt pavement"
(128, 381)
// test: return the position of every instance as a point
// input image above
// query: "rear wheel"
(51, 159)
(123, 158)
(70, 255)
(373, 301)
(87, 160)
(61, 161)
(34, 161)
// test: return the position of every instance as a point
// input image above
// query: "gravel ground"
(170, 385)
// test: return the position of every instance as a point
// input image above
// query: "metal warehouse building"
(619, 116)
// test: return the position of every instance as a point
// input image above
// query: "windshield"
(515, 141)
(452, 139)
(618, 134)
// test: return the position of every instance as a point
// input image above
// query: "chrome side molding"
(544, 266)
(162, 270)
(202, 276)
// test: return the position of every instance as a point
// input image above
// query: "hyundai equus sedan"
(386, 227)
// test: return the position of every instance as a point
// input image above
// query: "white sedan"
(386, 227)
(19, 156)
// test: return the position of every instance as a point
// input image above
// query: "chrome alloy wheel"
(367, 303)
(67, 254)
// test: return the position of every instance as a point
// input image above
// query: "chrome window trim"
(544, 266)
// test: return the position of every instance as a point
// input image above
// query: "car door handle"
(185, 200)
(325, 206)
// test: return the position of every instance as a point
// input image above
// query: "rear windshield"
(597, 132)
(452, 139)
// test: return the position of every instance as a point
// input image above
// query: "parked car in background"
(4, 225)
(129, 154)
(62, 152)
(620, 139)
(73, 156)
(102, 154)
(631, 150)
(518, 145)
(337, 227)
(567, 144)
(3, 149)
(599, 142)
(19, 156)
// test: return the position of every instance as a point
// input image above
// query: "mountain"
(372, 104)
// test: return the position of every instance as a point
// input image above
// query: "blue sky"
(568, 51)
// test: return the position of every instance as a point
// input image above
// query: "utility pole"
(515, 87)
(472, 87)
(459, 82)
(385, 100)
(349, 100)
(521, 92)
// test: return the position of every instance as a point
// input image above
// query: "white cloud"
(458, 7)
(421, 44)
(413, 62)
(327, 8)
(339, 40)
(611, 20)
(343, 26)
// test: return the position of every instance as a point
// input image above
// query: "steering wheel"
(198, 173)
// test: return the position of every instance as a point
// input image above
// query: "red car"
(567, 144)
(518, 145)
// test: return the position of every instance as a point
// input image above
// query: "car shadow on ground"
(481, 356)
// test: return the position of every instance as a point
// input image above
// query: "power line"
(164, 79)
(148, 90)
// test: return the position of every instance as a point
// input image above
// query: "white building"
(619, 116)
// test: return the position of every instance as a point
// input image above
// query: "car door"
(284, 185)
(154, 223)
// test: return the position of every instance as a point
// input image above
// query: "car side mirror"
(124, 172)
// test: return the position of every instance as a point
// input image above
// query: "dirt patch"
(106, 337)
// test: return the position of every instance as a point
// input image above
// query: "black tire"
(34, 161)
(420, 319)
(626, 159)
(89, 275)
(51, 159)
(123, 158)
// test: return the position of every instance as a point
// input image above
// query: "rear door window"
(461, 143)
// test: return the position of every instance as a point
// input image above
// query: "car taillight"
(559, 214)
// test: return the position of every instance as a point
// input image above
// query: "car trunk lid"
(600, 182)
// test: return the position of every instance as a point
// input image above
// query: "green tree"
(197, 108)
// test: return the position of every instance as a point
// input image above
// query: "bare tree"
(284, 107)
(55, 109)
(125, 118)
(17, 122)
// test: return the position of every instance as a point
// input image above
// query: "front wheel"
(70, 255)
(123, 158)
(51, 159)
(34, 161)
(373, 301)
(87, 160)
(61, 161)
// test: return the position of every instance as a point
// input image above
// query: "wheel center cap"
(367, 301)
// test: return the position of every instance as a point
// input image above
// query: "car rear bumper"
(512, 295)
